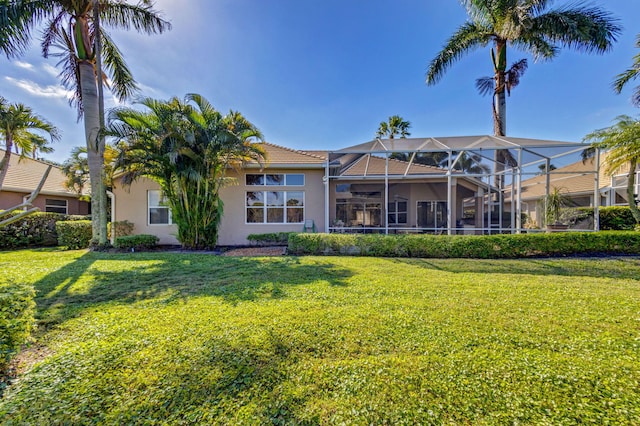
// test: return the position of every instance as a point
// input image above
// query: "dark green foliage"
(16, 320)
(614, 218)
(136, 242)
(467, 246)
(122, 228)
(74, 234)
(37, 229)
(271, 238)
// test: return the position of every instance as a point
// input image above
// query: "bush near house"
(122, 228)
(271, 238)
(17, 309)
(136, 242)
(74, 234)
(37, 229)
(466, 246)
(613, 218)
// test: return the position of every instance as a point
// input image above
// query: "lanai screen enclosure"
(466, 184)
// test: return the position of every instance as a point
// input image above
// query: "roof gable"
(24, 175)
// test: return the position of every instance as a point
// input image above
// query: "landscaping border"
(501, 246)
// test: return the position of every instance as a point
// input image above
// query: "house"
(576, 182)
(24, 175)
(361, 188)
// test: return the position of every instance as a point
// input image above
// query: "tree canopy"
(187, 146)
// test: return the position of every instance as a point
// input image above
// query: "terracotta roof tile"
(25, 174)
(277, 154)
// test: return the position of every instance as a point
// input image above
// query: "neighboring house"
(576, 182)
(24, 175)
(362, 189)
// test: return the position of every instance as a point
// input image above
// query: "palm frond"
(583, 28)
(124, 86)
(468, 37)
(18, 19)
(485, 85)
(142, 17)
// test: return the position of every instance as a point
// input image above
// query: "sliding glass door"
(432, 214)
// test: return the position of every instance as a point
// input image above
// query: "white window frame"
(46, 205)
(149, 207)
(285, 208)
(285, 175)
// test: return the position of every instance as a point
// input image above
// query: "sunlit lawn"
(185, 338)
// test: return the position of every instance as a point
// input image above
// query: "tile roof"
(25, 174)
(575, 179)
(375, 166)
(280, 155)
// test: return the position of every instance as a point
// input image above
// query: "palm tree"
(630, 74)
(526, 25)
(471, 163)
(396, 125)
(622, 143)
(187, 147)
(19, 127)
(71, 33)
(76, 168)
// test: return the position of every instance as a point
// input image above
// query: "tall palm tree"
(526, 25)
(69, 33)
(187, 147)
(395, 126)
(19, 126)
(622, 143)
(630, 74)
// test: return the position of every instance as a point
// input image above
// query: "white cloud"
(50, 69)
(33, 88)
(24, 65)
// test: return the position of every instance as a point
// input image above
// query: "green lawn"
(187, 338)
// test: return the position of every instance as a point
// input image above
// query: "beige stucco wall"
(131, 205)
(234, 229)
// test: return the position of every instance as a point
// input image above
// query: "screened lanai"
(462, 184)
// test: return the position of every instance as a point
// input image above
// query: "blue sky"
(323, 74)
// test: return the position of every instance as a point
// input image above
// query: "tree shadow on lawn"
(100, 278)
(623, 267)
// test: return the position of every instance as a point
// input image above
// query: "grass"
(174, 338)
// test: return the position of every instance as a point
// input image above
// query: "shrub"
(122, 228)
(74, 234)
(36, 229)
(272, 238)
(136, 242)
(613, 218)
(16, 320)
(467, 246)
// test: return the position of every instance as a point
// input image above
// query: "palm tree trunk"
(102, 213)
(499, 111)
(631, 195)
(4, 163)
(92, 130)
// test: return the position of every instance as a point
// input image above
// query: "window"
(269, 179)
(275, 206)
(397, 212)
(159, 212)
(55, 206)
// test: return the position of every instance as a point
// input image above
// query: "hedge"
(74, 234)
(612, 218)
(36, 229)
(17, 309)
(136, 242)
(467, 246)
(271, 238)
